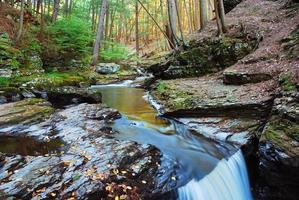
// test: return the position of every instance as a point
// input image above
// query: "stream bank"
(252, 101)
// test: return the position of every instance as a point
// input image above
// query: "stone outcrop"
(204, 57)
(208, 96)
(66, 95)
(279, 150)
(88, 164)
(26, 111)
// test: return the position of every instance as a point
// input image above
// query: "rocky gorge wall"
(250, 100)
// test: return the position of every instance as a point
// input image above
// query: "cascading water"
(228, 181)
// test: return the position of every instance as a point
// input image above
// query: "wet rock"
(107, 68)
(10, 94)
(24, 111)
(240, 131)
(236, 77)
(93, 165)
(7, 73)
(67, 95)
(279, 150)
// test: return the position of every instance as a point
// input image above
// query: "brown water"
(196, 155)
(131, 103)
(29, 146)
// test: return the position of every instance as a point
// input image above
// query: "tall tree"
(55, 10)
(21, 21)
(97, 45)
(136, 28)
(219, 12)
(203, 13)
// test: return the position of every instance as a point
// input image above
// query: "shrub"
(70, 38)
(114, 52)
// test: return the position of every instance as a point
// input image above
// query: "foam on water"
(228, 181)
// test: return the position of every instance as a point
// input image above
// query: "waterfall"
(228, 181)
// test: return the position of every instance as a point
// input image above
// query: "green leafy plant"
(4, 81)
(114, 52)
(286, 83)
(69, 38)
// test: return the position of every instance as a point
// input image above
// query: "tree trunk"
(97, 44)
(172, 15)
(66, 7)
(21, 21)
(220, 16)
(136, 28)
(203, 13)
(55, 10)
(106, 28)
(188, 16)
(179, 22)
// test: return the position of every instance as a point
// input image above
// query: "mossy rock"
(208, 56)
(25, 111)
(283, 134)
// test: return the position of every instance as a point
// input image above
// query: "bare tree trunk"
(97, 44)
(136, 28)
(55, 10)
(203, 13)
(21, 21)
(220, 16)
(172, 16)
(179, 21)
(188, 17)
(66, 7)
(106, 28)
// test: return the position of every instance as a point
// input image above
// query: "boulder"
(67, 95)
(7, 73)
(205, 57)
(107, 68)
(10, 94)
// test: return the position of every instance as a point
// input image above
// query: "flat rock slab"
(239, 131)
(208, 96)
(90, 165)
(25, 111)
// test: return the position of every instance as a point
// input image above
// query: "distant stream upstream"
(207, 170)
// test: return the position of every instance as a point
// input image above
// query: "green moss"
(286, 83)
(49, 80)
(161, 87)
(281, 132)
(176, 99)
(31, 101)
(4, 81)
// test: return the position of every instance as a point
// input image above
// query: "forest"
(149, 99)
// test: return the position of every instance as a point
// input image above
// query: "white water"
(228, 181)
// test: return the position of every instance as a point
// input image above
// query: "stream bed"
(205, 168)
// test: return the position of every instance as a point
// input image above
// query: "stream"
(204, 168)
